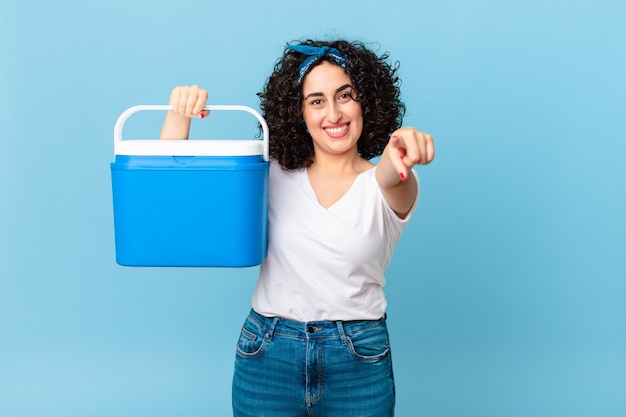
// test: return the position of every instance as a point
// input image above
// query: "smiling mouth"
(337, 131)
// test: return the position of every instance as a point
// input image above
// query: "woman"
(315, 341)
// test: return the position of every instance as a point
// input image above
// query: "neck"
(339, 165)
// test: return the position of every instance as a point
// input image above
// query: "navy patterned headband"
(315, 53)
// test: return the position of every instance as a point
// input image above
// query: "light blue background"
(508, 291)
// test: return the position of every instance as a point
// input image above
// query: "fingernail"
(403, 177)
(201, 115)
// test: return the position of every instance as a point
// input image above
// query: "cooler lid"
(214, 147)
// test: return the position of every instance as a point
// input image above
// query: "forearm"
(399, 194)
(407, 147)
(175, 126)
(386, 173)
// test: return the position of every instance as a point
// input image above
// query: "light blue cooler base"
(190, 211)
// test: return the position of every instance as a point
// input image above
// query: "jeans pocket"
(369, 345)
(251, 341)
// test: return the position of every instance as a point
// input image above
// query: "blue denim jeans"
(285, 368)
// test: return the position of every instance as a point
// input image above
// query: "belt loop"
(270, 331)
(342, 333)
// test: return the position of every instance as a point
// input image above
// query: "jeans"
(285, 368)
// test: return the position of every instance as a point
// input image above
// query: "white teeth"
(336, 130)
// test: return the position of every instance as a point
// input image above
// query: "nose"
(334, 113)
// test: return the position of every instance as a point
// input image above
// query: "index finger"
(201, 101)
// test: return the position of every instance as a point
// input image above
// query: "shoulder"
(279, 175)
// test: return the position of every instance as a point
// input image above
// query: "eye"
(345, 96)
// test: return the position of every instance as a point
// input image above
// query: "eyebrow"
(317, 94)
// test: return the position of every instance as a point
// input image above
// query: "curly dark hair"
(378, 91)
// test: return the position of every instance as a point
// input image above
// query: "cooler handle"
(117, 132)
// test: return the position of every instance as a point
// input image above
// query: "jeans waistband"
(339, 328)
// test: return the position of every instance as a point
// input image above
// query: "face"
(334, 119)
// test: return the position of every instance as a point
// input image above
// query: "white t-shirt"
(326, 263)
